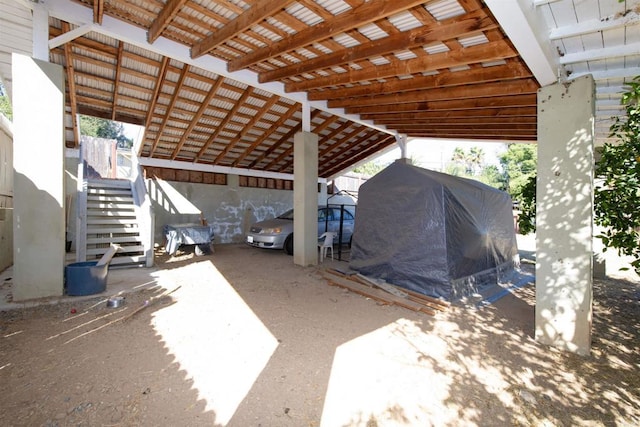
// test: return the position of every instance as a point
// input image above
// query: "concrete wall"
(70, 190)
(230, 209)
(6, 193)
(38, 180)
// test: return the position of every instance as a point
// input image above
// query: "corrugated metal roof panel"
(444, 9)
(303, 14)
(473, 40)
(372, 32)
(345, 40)
(405, 21)
(335, 7)
(436, 48)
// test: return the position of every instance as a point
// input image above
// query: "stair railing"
(81, 211)
(144, 211)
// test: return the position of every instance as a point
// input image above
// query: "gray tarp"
(433, 233)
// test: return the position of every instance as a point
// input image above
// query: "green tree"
(103, 128)
(492, 176)
(519, 163)
(617, 189)
(370, 168)
(5, 103)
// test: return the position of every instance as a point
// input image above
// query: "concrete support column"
(305, 199)
(564, 215)
(38, 150)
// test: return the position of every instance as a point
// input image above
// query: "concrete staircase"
(112, 217)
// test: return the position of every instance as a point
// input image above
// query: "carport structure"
(313, 87)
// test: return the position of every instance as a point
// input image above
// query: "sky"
(436, 153)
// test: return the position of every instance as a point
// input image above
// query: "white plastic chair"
(326, 244)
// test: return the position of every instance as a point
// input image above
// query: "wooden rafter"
(529, 100)
(289, 114)
(264, 110)
(486, 52)
(347, 145)
(196, 118)
(509, 71)
(98, 11)
(361, 15)
(162, 74)
(172, 103)
(372, 148)
(455, 27)
(164, 18)
(114, 104)
(256, 13)
(71, 82)
(222, 125)
(487, 90)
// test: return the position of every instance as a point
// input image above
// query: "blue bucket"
(85, 278)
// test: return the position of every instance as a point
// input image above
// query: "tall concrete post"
(305, 199)
(564, 215)
(38, 163)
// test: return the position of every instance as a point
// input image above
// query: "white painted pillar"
(564, 215)
(305, 199)
(38, 161)
(401, 140)
(40, 33)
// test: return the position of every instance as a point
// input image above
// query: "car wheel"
(288, 245)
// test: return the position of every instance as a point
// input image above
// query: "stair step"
(109, 183)
(108, 193)
(112, 239)
(122, 250)
(93, 213)
(125, 260)
(109, 199)
(113, 230)
(109, 221)
(109, 205)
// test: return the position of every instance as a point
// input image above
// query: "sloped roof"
(222, 82)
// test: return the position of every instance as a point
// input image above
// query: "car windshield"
(287, 215)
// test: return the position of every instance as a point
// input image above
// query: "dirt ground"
(248, 339)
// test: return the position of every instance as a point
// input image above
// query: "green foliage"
(617, 191)
(5, 103)
(472, 160)
(527, 207)
(371, 168)
(519, 163)
(492, 176)
(103, 128)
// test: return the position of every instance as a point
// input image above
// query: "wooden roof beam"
(486, 52)
(452, 28)
(172, 103)
(487, 90)
(511, 70)
(247, 127)
(283, 118)
(457, 114)
(98, 11)
(256, 13)
(527, 100)
(164, 18)
(71, 82)
(237, 105)
(116, 80)
(361, 15)
(162, 74)
(196, 118)
(386, 141)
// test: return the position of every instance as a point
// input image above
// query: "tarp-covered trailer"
(433, 233)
